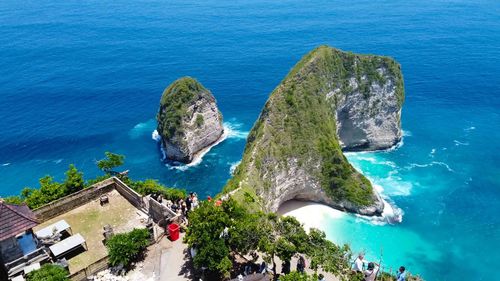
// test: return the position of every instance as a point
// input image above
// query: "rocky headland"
(329, 102)
(188, 120)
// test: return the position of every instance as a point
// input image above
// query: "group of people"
(372, 269)
(182, 206)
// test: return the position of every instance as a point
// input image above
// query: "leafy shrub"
(124, 248)
(199, 120)
(48, 272)
(154, 187)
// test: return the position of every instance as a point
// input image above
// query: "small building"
(18, 246)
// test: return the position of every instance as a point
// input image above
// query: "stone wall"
(158, 211)
(86, 195)
(131, 195)
(72, 201)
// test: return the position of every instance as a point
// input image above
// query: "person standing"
(359, 263)
(371, 272)
(401, 274)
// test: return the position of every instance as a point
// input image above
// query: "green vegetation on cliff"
(297, 126)
(173, 103)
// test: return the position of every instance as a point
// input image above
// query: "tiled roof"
(15, 219)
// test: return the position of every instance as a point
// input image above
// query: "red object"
(173, 231)
(209, 198)
(218, 203)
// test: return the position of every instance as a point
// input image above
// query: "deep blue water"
(78, 78)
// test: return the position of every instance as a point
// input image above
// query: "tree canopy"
(219, 233)
(110, 162)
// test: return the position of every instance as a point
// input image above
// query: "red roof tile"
(15, 219)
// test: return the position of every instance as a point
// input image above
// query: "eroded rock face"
(329, 102)
(369, 121)
(188, 120)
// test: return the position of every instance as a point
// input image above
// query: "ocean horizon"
(81, 78)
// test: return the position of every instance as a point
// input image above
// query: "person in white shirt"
(359, 263)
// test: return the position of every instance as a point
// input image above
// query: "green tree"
(124, 248)
(110, 162)
(74, 180)
(48, 272)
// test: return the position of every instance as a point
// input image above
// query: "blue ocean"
(78, 78)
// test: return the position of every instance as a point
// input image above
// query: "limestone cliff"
(188, 119)
(329, 101)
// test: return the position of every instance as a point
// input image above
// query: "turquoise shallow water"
(80, 78)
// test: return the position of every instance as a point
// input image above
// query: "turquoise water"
(80, 78)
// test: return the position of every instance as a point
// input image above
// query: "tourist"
(359, 263)
(189, 201)
(209, 198)
(321, 277)
(401, 274)
(195, 201)
(263, 268)
(301, 264)
(371, 272)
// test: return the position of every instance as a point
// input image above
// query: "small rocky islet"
(331, 101)
(188, 120)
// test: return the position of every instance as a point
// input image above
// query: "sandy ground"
(89, 219)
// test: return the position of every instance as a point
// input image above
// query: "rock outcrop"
(188, 120)
(330, 101)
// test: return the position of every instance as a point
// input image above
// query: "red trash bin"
(173, 231)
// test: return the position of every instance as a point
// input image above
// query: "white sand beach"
(312, 215)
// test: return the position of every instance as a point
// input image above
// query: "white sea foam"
(156, 136)
(233, 130)
(58, 161)
(141, 129)
(5, 164)
(433, 163)
(469, 128)
(233, 167)
(407, 133)
(457, 143)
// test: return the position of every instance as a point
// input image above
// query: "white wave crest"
(233, 132)
(391, 213)
(156, 136)
(233, 167)
(433, 163)
(141, 129)
(5, 164)
(457, 143)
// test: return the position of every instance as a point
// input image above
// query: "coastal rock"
(329, 102)
(188, 120)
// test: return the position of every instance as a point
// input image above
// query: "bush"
(150, 186)
(48, 272)
(124, 248)
(297, 276)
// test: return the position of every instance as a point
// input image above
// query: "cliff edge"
(188, 120)
(330, 101)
